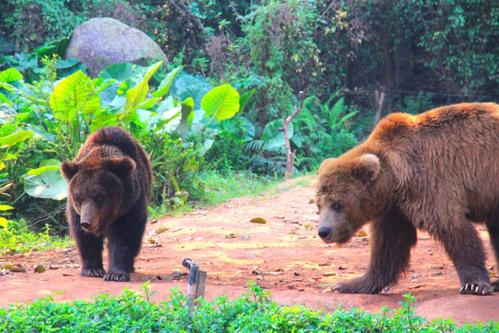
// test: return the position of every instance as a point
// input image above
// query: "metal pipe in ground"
(196, 283)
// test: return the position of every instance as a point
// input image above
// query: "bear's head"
(347, 195)
(97, 190)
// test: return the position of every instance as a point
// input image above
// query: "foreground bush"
(252, 312)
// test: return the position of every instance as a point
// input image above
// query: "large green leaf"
(10, 75)
(119, 72)
(245, 98)
(273, 134)
(167, 82)
(46, 182)
(12, 139)
(187, 85)
(72, 95)
(136, 95)
(221, 102)
(4, 207)
(3, 222)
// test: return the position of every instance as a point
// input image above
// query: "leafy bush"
(47, 122)
(252, 312)
(19, 238)
(320, 131)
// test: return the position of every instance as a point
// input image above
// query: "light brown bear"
(437, 171)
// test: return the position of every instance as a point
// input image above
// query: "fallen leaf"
(361, 233)
(311, 201)
(259, 220)
(231, 235)
(160, 230)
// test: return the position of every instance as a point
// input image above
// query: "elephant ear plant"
(176, 116)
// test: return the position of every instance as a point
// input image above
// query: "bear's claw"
(93, 272)
(117, 276)
(479, 288)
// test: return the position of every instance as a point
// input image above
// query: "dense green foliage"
(421, 53)
(252, 312)
(338, 53)
(46, 122)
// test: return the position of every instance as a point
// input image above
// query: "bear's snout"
(85, 225)
(325, 232)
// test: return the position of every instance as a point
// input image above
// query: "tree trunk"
(287, 122)
(379, 97)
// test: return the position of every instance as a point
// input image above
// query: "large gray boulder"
(100, 42)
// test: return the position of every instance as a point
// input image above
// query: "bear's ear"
(69, 169)
(121, 167)
(367, 167)
(325, 164)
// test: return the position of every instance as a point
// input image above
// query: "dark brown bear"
(109, 188)
(437, 171)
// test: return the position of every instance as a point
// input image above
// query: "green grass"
(18, 238)
(220, 188)
(252, 312)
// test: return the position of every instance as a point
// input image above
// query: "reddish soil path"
(284, 256)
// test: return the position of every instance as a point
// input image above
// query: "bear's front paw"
(361, 285)
(92, 272)
(477, 288)
(495, 284)
(117, 276)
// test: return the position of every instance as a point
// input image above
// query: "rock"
(39, 269)
(173, 276)
(103, 41)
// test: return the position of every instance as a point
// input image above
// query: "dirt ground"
(284, 256)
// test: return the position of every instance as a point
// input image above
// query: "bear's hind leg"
(391, 240)
(89, 246)
(124, 241)
(465, 249)
(493, 228)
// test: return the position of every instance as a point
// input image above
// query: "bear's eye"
(337, 207)
(99, 198)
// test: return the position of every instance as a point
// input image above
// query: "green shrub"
(18, 237)
(252, 312)
(47, 121)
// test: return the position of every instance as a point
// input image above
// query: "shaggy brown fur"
(109, 188)
(437, 171)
